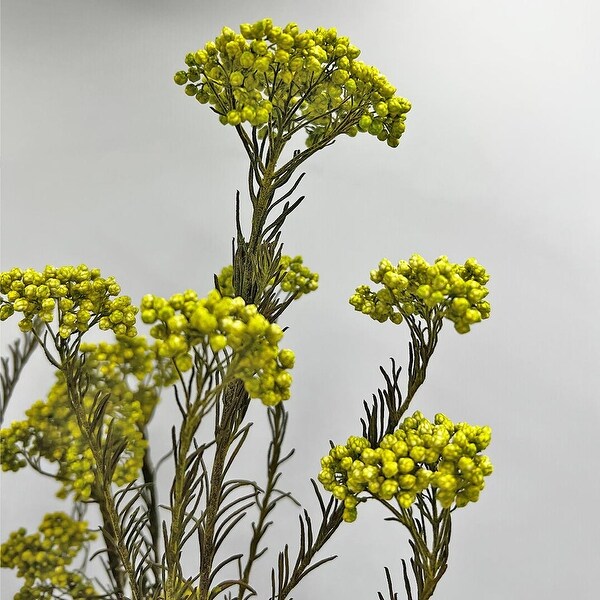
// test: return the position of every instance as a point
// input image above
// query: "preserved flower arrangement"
(222, 350)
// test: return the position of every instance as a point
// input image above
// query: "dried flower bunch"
(210, 355)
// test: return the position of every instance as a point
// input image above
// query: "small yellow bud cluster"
(80, 296)
(225, 280)
(110, 365)
(41, 558)
(297, 278)
(442, 454)
(131, 371)
(297, 79)
(128, 356)
(219, 323)
(445, 289)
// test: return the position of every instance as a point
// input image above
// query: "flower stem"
(71, 369)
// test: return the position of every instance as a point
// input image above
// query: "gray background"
(107, 162)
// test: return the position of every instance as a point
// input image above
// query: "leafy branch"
(12, 366)
(430, 530)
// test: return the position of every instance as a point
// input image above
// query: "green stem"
(421, 350)
(225, 432)
(249, 283)
(180, 498)
(430, 561)
(106, 499)
(435, 561)
(108, 535)
(246, 257)
(188, 429)
(151, 500)
(267, 504)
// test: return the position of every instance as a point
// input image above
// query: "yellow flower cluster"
(442, 454)
(127, 361)
(131, 371)
(443, 289)
(220, 323)
(297, 278)
(225, 281)
(42, 557)
(293, 79)
(80, 297)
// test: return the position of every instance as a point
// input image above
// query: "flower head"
(78, 296)
(288, 79)
(219, 324)
(414, 287)
(294, 278)
(443, 455)
(133, 372)
(42, 558)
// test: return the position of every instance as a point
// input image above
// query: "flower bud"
(180, 78)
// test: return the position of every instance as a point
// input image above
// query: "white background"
(107, 162)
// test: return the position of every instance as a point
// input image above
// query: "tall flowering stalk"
(272, 84)
(220, 351)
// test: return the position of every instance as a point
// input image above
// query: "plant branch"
(105, 457)
(12, 367)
